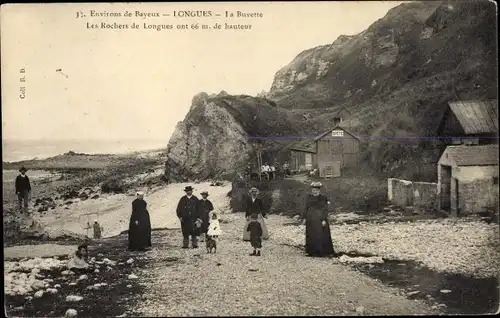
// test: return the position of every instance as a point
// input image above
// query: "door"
(336, 169)
(445, 188)
(457, 198)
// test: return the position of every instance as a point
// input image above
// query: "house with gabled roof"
(328, 152)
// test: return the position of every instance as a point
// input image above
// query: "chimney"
(337, 121)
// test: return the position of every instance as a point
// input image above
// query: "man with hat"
(23, 188)
(205, 208)
(188, 214)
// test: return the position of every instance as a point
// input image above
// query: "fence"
(421, 195)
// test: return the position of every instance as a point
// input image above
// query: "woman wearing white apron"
(254, 205)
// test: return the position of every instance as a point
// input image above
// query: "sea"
(19, 150)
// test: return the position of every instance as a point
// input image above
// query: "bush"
(112, 186)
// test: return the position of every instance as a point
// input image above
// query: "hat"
(95, 221)
(188, 188)
(23, 169)
(316, 184)
(140, 193)
(253, 189)
(204, 192)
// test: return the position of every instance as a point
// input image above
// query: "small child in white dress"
(214, 228)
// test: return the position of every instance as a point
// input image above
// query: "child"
(255, 230)
(97, 230)
(214, 228)
(78, 263)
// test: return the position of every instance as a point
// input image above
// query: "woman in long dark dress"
(318, 236)
(254, 205)
(139, 231)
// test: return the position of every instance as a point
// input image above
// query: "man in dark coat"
(188, 213)
(205, 207)
(23, 189)
(139, 231)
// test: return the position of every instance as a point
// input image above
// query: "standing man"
(188, 213)
(205, 213)
(23, 189)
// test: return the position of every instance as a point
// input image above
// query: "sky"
(138, 83)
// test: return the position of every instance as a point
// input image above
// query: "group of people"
(270, 172)
(199, 222)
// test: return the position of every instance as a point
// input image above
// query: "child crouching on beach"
(78, 263)
(255, 230)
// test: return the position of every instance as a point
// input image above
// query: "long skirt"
(318, 239)
(265, 233)
(139, 238)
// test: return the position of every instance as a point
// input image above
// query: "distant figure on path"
(255, 230)
(272, 172)
(253, 205)
(205, 208)
(97, 229)
(286, 169)
(188, 213)
(318, 236)
(248, 172)
(139, 231)
(265, 170)
(23, 189)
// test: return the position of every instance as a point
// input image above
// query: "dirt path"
(281, 282)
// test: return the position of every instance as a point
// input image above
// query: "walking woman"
(318, 236)
(139, 231)
(253, 205)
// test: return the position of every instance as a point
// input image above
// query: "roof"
(336, 127)
(304, 146)
(485, 155)
(477, 117)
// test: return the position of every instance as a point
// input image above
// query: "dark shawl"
(139, 234)
(254, 207)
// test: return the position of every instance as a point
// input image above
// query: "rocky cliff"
(392, 80)
(220, 135)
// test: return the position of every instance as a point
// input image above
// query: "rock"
(39, 294)
(83, 277)
(445, 291)
(109, 268)
(296, 217)
(52, 291)
(130, 261)
(360, 310)
(72, 284)
(74, 298)
(71, 313)
(57, 286)
(96, 271)
(413, 293)
(65, 273)
(95, 196)
(132, 276)
(129, 286)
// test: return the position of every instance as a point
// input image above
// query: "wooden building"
(329, 152)
(468, 179)
(303, 157)
(336, 149)
(469, 123)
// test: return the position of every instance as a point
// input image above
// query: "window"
(338, 133)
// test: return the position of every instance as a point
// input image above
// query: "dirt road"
(283, 281)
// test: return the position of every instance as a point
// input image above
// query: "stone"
(52, 291)
(57, 286)
(71, 313)
(445, 291)
(74, 298)
(83, 277)
(130, 261)
(360, 310)
(38, 294)
(132, 276)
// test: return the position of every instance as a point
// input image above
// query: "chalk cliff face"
(216, 137)
(392, 80)
(413, 41)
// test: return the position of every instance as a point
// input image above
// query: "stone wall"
(403, 193)
(477, 196)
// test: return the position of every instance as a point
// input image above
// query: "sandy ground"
(113, 211)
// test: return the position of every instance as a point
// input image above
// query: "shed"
(303, 156)
(468, 179)
(470, 122)
(336, 149)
